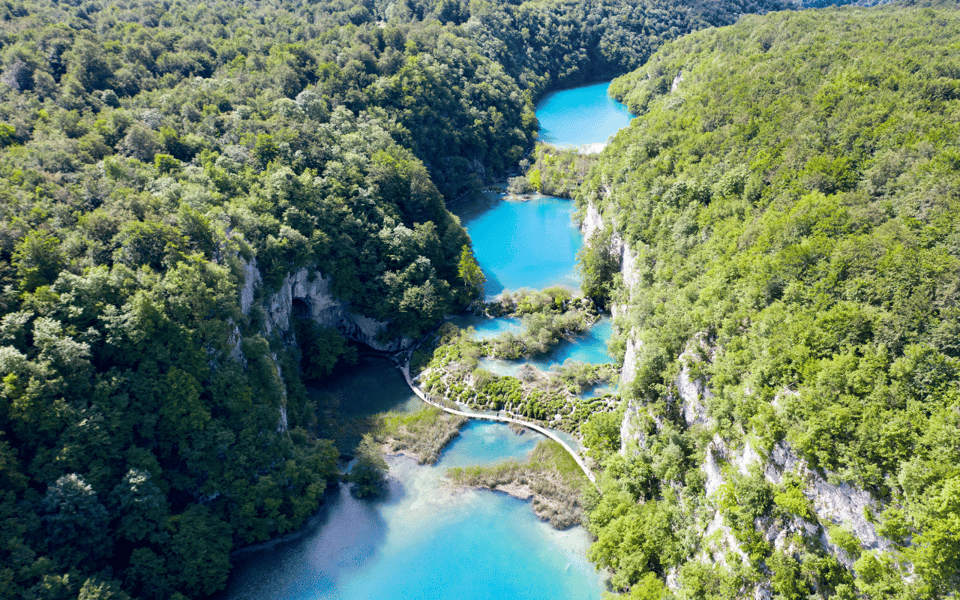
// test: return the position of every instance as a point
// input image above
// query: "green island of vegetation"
(548, 398)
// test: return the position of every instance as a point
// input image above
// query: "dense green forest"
(150, 153)
(794, 206)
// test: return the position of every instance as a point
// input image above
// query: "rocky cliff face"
(593, 225)
(841, 505)
(312, 289)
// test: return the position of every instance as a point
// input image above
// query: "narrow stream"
(423, 539)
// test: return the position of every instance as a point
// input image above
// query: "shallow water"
(589, 348)
(581, 116)
(425, 540)
(487, 328)
(523, 244)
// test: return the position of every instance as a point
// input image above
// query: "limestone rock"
(251, 279)
(838, 504)
(311, 291)
(629, 369)
(629, 427)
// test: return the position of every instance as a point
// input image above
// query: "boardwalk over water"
(405, 369)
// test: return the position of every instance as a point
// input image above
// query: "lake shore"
(550, 480)
(422, 435)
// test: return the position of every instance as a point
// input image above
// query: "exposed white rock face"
(234, 339)
(628, 268)
(313, 290)
(629, 427)
(839, 504)
(592, 222)
(781, 537)
(692, 394)
(763, 592)
(711, 468)
(629, 369)
(747, 457)
(722, 540)
(251, 279)
(676, 81)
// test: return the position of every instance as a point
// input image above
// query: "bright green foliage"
(558, 172)
(639, 540)
(601, 434)
(471, 275)
(145, 149)
(791, 200)
(792, 499)
(844, 538)
(786, 577)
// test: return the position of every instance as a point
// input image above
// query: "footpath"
(405, 369)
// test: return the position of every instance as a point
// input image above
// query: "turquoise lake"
(583, 116)
(523, 244)
(425, 540)
(591, 347)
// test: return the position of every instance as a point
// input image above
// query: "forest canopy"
(792, 194)
(152, 154)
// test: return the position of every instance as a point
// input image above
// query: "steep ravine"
(313, 289)
(833, 504)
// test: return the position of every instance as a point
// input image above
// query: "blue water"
(487, 328)
(523, 244)
(589, 348)
(581, 116)
(371, 386)
(482, 443)
(425, 540)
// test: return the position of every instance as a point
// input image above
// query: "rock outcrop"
(313, 293)
(832, 504)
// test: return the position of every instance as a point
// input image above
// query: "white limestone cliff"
(314, 291)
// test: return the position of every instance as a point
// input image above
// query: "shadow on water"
(331, 548)
(348, 400)
(492, 287)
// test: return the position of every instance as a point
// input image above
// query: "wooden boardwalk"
(405, 369)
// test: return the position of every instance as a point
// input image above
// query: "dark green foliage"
(368, 474)
(597, 263)
(145, 148)
(321, 348)
(469, 271)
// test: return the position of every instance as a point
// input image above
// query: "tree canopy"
(151, 153)
(790, 192)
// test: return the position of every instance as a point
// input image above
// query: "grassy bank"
(422, 435)
(551, 479)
